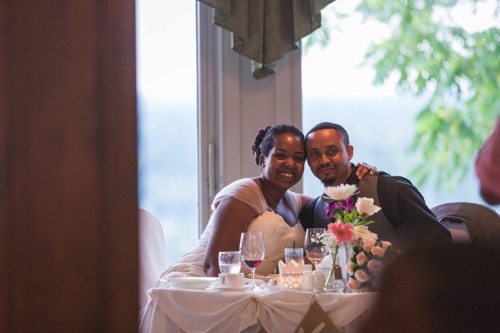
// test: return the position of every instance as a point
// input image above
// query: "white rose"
(366, 206)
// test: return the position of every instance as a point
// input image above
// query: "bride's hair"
(264, 141)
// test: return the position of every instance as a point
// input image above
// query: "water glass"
(229, 261)
(296, 254)
(314, 247)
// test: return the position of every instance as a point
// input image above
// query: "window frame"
(233, 106)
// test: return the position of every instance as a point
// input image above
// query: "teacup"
(232, 280)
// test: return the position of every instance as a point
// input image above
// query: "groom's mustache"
(326, 165)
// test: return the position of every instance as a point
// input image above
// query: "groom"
(404, 220)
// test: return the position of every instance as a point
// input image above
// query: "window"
(185, 154)
(198, 117)
(380, 122)
(167, 111)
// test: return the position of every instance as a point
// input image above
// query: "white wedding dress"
(276, 232)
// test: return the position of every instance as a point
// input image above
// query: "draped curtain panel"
(265, 30)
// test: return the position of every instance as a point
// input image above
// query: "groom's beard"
(329, 181)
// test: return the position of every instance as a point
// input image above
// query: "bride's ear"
(262, 159)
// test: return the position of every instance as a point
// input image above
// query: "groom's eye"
(332, 152)
(313, 154)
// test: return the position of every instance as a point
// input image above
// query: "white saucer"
(198, 283)
(228, 288)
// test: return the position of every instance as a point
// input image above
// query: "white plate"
(191, 282)
(227, 288)
(264, 278)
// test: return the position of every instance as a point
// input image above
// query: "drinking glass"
(313, 246)
(252, 251)
(296, 254)
(229, 261)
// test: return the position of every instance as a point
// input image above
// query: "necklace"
(266, 193)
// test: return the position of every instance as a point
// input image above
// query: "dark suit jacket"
(404, 220)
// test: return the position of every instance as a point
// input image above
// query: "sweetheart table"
(181, 310)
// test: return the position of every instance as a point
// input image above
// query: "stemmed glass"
(252, 251)
(314, 248)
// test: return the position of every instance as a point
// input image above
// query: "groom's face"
(328, 157)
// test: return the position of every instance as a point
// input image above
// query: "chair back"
(470, 222)
(152, 253)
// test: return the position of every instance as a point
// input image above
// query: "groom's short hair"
(333, 126)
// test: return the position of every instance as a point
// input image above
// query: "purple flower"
(348, 204)
(330, 209)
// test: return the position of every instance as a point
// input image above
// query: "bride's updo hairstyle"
(264, 141)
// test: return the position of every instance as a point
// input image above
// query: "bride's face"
(285, 164)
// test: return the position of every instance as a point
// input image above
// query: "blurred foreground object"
(455, 289)
(488, 167)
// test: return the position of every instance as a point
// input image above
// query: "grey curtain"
(266, 30)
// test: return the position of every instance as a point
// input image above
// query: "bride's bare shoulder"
(304, 200)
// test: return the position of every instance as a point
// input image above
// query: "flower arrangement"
(366, 264)
(350, 220)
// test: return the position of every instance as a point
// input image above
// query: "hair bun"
(257, 142)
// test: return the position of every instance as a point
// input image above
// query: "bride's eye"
(299, 158)
(280, 156)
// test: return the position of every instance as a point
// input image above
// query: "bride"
(262, 203)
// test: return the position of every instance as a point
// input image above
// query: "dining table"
(271, 310)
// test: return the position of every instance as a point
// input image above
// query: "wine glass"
(252, 251)
(314, 248)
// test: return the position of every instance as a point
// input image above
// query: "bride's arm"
(232, 217)
(364, 169)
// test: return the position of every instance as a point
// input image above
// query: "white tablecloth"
(176, 310)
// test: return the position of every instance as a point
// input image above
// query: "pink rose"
(350, 267)
(368, 245)
(375, 266)
(361, 258)
(361, 275)
(353, 285)
(378, 251)
(386, 245)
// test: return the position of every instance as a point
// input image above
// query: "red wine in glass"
(252, 263)
(252, 251)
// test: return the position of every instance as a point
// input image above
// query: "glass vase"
(338, 277)
(334, 282)
(344, 256)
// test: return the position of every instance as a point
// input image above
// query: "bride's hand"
(364, 169)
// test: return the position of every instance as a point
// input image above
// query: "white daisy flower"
(340, 192)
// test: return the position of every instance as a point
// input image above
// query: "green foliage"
(458, 70)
